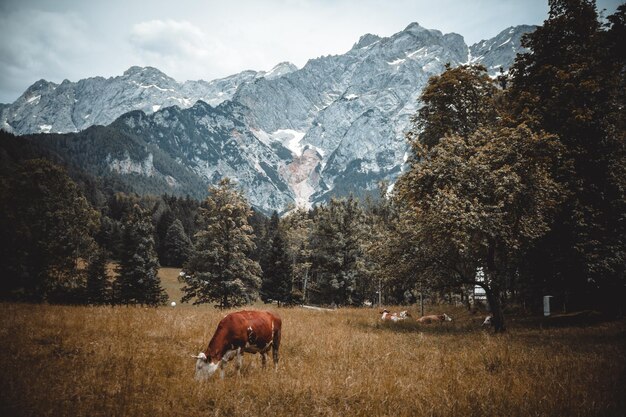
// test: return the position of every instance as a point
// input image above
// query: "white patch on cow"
(446, 317)
(204, 369)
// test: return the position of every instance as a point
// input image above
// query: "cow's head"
(445, 317)
(404, 314)
(204, 367)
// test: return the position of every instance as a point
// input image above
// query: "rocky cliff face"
(47, 107)
(334, 127)
(500, 51)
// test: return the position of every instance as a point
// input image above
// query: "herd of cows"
(260, 331)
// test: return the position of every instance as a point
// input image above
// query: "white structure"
(546, 305)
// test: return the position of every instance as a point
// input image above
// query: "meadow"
(134, 361)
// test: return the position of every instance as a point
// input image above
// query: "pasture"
(133, 361)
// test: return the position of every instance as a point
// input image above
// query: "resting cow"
(388, 316)
(236, 333)
(434, 318)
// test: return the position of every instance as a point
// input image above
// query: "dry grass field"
(133, 361)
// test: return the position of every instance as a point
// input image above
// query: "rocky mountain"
(500, 51)
(288, 135)
(46, 107)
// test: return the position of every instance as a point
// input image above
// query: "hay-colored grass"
(133, 361)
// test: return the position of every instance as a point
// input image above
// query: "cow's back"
(255, 328)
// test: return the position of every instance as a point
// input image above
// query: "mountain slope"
(288, 135)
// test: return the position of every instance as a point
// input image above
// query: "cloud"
(181, 49)
(39, 44)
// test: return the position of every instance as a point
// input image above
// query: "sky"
(207, 39)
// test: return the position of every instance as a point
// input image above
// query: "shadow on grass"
(411, 326)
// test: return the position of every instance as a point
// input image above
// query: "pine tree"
(278, 272)
(220, 269)
(177, 246)
(47, 226)
(336, 245)
(98, 291)
(138, 281)
(297, 228)
(264, 247)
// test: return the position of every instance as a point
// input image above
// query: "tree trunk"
(493, 298)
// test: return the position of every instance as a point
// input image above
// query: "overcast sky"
(208, 39)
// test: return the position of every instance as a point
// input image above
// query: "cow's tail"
(276, 324)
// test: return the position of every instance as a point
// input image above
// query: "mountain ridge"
(288, 135)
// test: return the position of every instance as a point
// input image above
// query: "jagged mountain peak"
(416, 29)
(137, 70)
(280, 69)
(366, 40)
(500, 51)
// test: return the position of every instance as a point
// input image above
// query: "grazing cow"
(236, 333)
(434, 318)
(388, 316)
(488, 320)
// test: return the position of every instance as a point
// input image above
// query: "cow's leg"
(222, 365)
(239, 362)
(263, 359)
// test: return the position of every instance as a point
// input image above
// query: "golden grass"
(132, 361)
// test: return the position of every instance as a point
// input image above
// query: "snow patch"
(45, 128)
(156, 108)
(155, 86)
(351, 96)
(290, 139)
(33, 99)
(504, 43)
(397, 61)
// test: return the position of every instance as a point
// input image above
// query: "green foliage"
(138, 281)
(98, 287)
(337, 274)
(177, 245)
(47, 226)
(220, 269)
(278, 271)
(459, 101)
(297, 228)
(481, 201)
(572, 84)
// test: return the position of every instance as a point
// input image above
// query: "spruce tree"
(220, 269)
(177, 246)
(138, 281)
(337, 249)
(278, 272)
(98, 288)
(47, 226)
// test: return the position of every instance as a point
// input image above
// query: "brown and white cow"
(388, 316)
(434, 318)
(236, 333)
